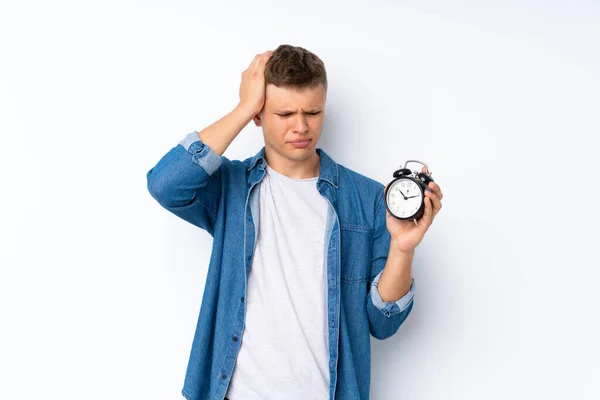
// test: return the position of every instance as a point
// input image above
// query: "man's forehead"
(284, 97)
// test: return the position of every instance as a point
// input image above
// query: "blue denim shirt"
(220, 196)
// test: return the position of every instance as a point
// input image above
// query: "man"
(305, 265)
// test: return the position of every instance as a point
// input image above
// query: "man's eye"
(287, 115)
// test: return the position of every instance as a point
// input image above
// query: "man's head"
(296, 89)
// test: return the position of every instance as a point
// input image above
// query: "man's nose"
(300, 124)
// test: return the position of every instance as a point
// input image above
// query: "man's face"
(290, 114)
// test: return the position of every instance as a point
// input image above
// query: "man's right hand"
(252, 88)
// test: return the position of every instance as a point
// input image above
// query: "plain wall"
(100, 287)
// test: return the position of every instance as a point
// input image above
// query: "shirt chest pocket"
(356, 249)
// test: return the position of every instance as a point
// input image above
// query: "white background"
(100, 287)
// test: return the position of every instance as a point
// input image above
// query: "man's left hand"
(405, 234)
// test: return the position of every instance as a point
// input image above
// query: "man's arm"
(396, 255)
(219, 135)
(396, 278)
(185, 181)
(386, 316)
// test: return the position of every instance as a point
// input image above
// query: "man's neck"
(295, 169)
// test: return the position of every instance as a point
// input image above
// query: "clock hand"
(411, 197)
(403, 195)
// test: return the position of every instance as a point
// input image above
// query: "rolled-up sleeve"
(185, 182)
(389, 308)
(201, 153)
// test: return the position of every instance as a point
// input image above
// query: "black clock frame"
(422, 182)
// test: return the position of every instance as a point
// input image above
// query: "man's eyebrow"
(310, 110)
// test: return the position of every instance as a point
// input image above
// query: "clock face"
(404, 197)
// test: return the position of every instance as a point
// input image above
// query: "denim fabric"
(220, 196)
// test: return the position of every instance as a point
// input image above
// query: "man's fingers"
(427, 218)
(435, 202)
(436, 189)
(265, 58)
(433, 186)
(259, 61)
(254, 62)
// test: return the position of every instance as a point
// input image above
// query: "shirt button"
(387, 313)
(235, 339)
(242, 299)
(331, 323)
(223, 376)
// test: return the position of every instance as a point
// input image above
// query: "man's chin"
(300, 153)
(287, 150)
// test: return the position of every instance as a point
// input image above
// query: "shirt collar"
(328, 169)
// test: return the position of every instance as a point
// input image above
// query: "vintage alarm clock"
(405, 196)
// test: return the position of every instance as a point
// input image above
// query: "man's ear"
(257, 120)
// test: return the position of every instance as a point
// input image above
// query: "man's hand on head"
(252, 88)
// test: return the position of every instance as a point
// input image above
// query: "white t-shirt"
(284, 351)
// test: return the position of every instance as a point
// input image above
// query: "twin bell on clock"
(405, 196)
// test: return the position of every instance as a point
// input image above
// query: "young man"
(305, 266)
